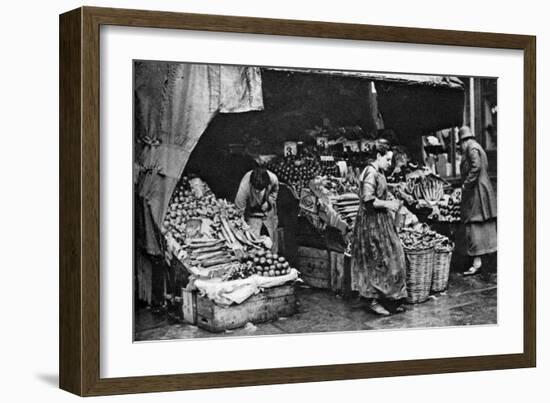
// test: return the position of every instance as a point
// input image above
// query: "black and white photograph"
(273, 200)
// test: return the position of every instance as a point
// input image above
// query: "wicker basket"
(442, 265)
(420, 264)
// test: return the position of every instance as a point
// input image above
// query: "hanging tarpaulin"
(240, 89)
(171, 122)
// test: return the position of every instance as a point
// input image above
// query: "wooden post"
(478, 122)
(472, 105)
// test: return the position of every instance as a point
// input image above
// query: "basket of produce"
(420, 263)
(443, 253)
(418, 246)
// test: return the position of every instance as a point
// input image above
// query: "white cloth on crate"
(238, 291)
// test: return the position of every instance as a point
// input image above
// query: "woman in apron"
(378, 260)
(257, 198)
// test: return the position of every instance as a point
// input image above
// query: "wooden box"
(314, 267)
(189, 306)
(324, 269)
(269, 304)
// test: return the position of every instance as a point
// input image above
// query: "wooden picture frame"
(79, 280)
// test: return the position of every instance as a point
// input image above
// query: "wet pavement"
(468, 301)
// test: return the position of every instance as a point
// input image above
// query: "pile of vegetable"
(190, 213)
(268, 264)
(426, 187)
(210, 233)
(260, 262)
(445, 245)
(297, 172)
(449, 207)
(332, 185)
(347, 206)
(240, 271)
(420, 237)
(209, 253)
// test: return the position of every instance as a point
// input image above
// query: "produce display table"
(227, 275)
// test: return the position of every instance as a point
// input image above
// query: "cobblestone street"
(468, 301)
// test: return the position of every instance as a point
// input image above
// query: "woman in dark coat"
(479, 203)
(378, 260)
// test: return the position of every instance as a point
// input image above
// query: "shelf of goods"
(228, 265)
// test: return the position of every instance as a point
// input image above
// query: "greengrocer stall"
(312, 128)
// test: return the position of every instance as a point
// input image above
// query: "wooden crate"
(268, 305)
(314, 267)
(189, 306)
(324, 269)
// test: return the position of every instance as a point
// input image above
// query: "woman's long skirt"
(378, 261)
(481, 237)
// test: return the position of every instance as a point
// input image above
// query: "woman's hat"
(464, 134)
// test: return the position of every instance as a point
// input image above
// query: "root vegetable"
(212, 255)
(214, 262)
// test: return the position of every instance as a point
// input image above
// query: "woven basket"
(420, 265)
(442, 265)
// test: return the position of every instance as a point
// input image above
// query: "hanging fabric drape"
(174, 104)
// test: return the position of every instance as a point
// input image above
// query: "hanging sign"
(322, 142)
(291, 148)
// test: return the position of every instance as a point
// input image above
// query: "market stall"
(222, 261)
(206, 245)
(211, 124)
